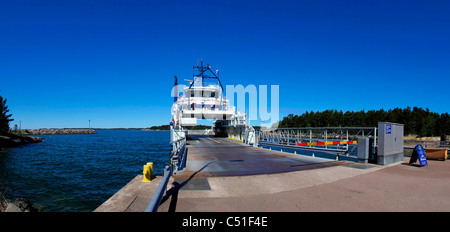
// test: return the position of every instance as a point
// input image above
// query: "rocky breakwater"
(64, 131)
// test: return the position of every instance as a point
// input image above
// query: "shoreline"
(12, 140)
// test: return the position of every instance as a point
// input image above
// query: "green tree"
(5, 118)
(444, 124)
(427, 128)
(407, 117)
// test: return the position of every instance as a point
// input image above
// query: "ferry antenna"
(202, 69)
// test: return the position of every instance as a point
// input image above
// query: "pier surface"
(225, 175)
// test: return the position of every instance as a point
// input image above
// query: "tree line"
(423, 123)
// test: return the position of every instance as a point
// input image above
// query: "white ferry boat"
(203, 98)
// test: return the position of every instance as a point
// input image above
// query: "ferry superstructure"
(203, 98)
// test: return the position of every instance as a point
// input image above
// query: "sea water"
(77, 173)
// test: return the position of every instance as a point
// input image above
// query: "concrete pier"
(226, 175)
(133, 197)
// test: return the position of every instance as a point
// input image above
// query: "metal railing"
(160, 191)
(410, 144)
(178, 154)
(289, 137)
(177, 163)
(292, 136)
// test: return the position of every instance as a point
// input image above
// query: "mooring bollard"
(148, 172)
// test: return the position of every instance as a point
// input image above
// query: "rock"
(33, 139)
(11, 207)
(12, 140)
(18, 141)
(22, 205)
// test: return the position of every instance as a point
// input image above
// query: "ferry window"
(213, 94)
(192, 93)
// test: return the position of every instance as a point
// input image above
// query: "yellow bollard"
(150, 164)
(148, 172)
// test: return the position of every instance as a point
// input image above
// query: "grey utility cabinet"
(390, 143)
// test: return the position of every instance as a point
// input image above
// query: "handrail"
(311, 134)
(292, 136)
(178, 154)
(177, 162)
(426, 143)
(320, 128)
(156, 199)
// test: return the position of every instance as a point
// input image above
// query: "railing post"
(310, 136)
(346, 145)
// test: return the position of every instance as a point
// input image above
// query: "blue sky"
(63, 63)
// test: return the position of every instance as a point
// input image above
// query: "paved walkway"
(231, 178)
(341, 188)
